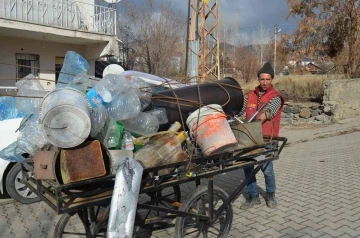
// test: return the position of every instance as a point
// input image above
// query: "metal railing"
(68, 14)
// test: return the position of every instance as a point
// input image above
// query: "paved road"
(318, 194)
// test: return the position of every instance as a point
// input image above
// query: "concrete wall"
(47, 52)
(342, 98)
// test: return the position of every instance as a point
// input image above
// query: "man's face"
(265, 80)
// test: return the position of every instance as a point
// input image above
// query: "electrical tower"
(203, 45)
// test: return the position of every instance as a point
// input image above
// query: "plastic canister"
(65, 117)
(211, 130)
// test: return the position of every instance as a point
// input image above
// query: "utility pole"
(203, 41)
(261, 43)
(276, 30)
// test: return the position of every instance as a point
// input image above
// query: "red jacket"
(269, 127)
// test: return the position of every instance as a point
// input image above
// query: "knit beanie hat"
(266, 69)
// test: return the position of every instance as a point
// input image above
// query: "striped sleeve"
(273, 106)
(242, 112)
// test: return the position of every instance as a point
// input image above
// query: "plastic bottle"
(12, 153)
(81, 82)
(162, 150)
(144, 91)
(30, 94)
(142, 124)
(98, 119)
(74, 64)
(31, 137)
(175, 126)
(8, 109)
(107, 89)
(124, 106)
(127, 141)
(160, 114)
(109, 135)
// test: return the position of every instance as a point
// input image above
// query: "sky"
(246, 15)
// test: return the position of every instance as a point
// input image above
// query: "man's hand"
(262, 117)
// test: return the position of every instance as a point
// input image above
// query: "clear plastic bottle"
(109, 134)
(107, 89)
(145, 92)
(124, 106)
(31, 137)
(98, 118)
(127, 142)
(81, 82)
(8, 108)
(143, 124)
(30, 94)
(160, 114)
(74, 64)
(12, 153)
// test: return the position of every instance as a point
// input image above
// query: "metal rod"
(211, 197)
(176, 212)
(257, 112)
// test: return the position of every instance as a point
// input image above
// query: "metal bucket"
(65, 117)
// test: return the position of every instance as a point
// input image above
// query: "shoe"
(250, 202)
(271, 200)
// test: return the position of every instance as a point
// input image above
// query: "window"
(32, 61)
(59, 61)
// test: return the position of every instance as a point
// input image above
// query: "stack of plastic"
(8, 109)
(118, 101)
(29, 95)
(74, 64)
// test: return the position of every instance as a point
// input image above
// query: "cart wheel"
(81, 224)
(167, 195)
(198, 203)
(146, 220)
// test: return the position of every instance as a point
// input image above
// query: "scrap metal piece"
(44, 165)
(82, 162)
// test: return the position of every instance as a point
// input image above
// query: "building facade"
(35, 36)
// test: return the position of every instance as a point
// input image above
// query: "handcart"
(207, 211)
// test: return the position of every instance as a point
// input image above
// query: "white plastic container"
(65, 117)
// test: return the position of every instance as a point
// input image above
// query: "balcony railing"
(68, 14)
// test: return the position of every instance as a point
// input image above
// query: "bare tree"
(327, 28)
(154, 32)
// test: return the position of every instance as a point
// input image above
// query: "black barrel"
(226, 92)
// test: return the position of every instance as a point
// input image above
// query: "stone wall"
(342, 98)
(301, 113)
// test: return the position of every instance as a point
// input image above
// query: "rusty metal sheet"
(44, 165)
(82, 162)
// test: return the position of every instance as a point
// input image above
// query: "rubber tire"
(61, 224)
(201, 190)
(10, 186)
(64, 219)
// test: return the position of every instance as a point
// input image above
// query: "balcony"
(67, 14)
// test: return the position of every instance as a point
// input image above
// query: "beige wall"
(341, 98)
(47, 52)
